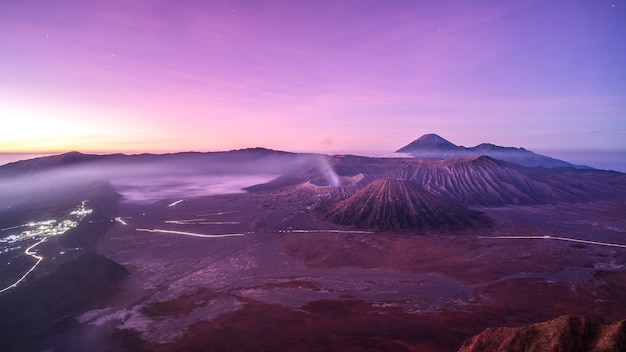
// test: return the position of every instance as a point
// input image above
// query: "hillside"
(433, 146)
(400, 205)
(484, 181)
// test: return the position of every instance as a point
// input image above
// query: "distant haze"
(599, 159)
(152, 189)
(6, 158)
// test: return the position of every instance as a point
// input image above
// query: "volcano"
(432, 146)
(428, 141)
(387, 204)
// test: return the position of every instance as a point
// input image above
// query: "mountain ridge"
(484, 181)
(472, 181)
(190, 158)
(432, 146)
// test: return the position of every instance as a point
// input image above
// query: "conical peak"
(433, 139)
(429, 141)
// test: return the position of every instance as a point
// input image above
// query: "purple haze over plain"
(310, 75)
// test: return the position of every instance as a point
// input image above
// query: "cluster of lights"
(41, 231)
(47, 228)
(83, 211)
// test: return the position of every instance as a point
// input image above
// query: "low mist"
(152, 189)
(148, 177)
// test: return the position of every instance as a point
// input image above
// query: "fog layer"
(148, 177)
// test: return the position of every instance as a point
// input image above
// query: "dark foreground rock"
(566, 333)
(31, 310)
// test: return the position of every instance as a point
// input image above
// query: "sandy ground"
(288, 281)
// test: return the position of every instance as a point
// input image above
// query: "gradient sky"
(156, 75)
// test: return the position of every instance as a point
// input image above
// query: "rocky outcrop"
(566, 333)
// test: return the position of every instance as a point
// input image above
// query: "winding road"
(32, 254)
(557, 238)
(193, 234)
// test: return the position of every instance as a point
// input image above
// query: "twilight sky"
(319, 75)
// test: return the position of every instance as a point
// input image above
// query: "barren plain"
(281, 287)
(152, 269)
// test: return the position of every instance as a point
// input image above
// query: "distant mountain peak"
(74, 152)
(431, 138)
(486, 146)
(491, 146)
(428, 141)
(432, 146)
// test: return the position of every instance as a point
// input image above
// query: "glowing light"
(548, 237)
(27, 252)
(43, 230)
(191, 233)
(220, 213)
(332, 231)
(200, 222)
(119, 219)
(219, 223)
(176, 202)
(185, 221)
(13, 227)
(82, 211)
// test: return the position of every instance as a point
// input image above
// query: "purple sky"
(158, 75)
